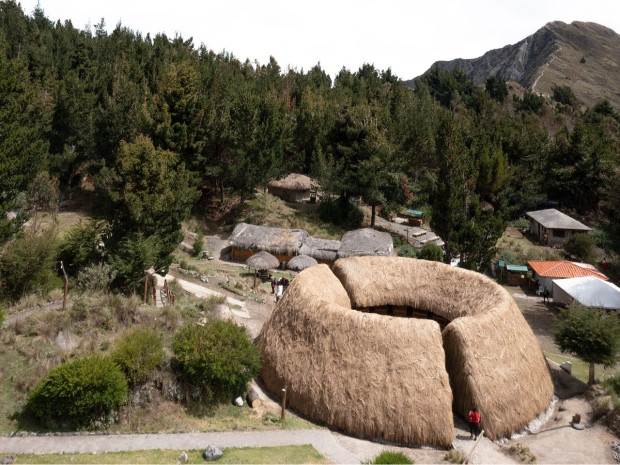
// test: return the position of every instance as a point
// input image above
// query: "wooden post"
(154, 296)
(283, 403)
(64, 299)
(145, 285)
(255, 271)
(473, 448)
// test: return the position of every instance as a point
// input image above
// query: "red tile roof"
(563, 269)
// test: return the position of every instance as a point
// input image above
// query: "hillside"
(584, 56)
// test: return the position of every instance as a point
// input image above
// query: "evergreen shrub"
(78, 393)
(387, 457)
(219, 355)
(138, 352)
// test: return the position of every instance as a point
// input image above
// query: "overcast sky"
(406, 36)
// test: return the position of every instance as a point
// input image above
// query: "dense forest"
(159, 123)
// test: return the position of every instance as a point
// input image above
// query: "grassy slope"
(271, 455)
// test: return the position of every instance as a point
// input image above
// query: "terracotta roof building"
(546, 271)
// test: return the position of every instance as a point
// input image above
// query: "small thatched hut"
(301, 262)
(366, 241)
(381, 376)
(293, 188)
(247, 239)
(322, 250)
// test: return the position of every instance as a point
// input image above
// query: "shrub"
(613, 386)
(79, 393)
(219, 355)
(138, 352)
(430, 251)
(198, 245)
(387, 457)
(341, 212)
(454, 456)
(26, 264)
(407, 250)
(579, 246)
(80, 308)
(96, 277)
(1, 317)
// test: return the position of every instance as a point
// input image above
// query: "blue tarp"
(519, 268)
(415, 212)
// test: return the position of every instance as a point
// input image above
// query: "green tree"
(496, 88)
(144, 196)
(579, 245)
(591, 334)
(563, 94)
(219, 355)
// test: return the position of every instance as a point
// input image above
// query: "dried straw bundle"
(492, 356)
(369, 375)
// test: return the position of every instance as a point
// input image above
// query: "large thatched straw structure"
(365, 241)
(293, 188)
(247, 239)
(381, 376)
(262, 260)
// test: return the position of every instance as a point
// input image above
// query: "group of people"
(278, 287)
(542, 291)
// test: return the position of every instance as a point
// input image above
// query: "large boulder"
(212, 453)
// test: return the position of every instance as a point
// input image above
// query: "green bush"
(79, 393)
(138, 352)
(96, 277)
(407, 250)
(579, 246)
(198, 245)
(613, 386)
(219, 354)
(430, 251)
(387, 457)
(1, 317)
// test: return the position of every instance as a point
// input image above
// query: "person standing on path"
(474, 423)
(546, 295)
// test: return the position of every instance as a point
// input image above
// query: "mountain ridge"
(582, 55)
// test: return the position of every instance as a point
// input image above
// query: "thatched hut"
(366, 241)
(322, 250)
(247, 239)
(301, 262)
(293, 188)
(381, 376)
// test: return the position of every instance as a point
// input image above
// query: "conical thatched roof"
(382, 376)
(262, 261)
(366, 241)
(301, 262)
(276, 241)
(295, 182)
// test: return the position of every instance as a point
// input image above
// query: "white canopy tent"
(588, 291)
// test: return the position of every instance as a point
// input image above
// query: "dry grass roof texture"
(295, 182)
(400, 379)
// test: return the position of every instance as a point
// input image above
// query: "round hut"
(301, 262)
(389, 347)
(262, 261)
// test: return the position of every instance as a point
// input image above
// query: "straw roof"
(262, 261)
(294, 182)
(276, 241)
(320, 249)
(365, 241)
(382, 376)
(301, 262)
(369, 375)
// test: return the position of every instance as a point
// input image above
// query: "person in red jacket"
(474, 423)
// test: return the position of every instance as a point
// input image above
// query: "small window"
(559, 233)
